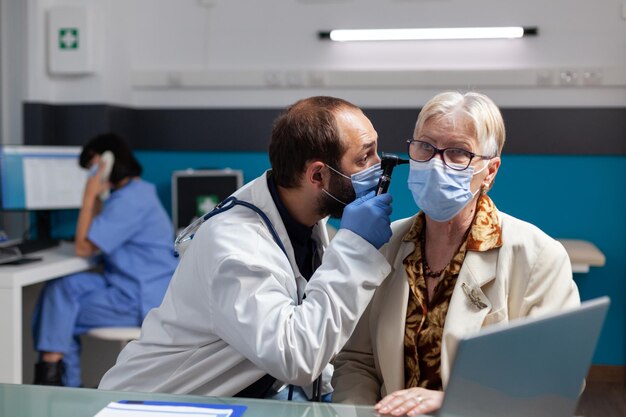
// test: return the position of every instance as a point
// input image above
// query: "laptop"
(14, 252)
(531, 367)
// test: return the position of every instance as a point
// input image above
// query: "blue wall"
(577, 197)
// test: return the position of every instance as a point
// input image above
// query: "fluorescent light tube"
(510, 32)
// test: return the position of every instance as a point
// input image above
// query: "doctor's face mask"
(332, 202)
(340, 193)
(362, 182)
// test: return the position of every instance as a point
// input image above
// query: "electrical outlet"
(592, 77)
(207, 3)
(294, 79)
(175, 79)
(569, 77)
(317, 78)
(545, 78)
(274, 79)
(323, 1)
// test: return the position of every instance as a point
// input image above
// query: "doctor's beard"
(342, 190)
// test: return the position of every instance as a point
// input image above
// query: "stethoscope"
(188, 233)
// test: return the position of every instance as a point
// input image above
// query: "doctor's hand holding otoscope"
(388, 162)
(368, 216)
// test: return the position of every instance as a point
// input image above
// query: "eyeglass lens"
(454, 158)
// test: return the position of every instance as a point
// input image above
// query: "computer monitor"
(41, 178)
(195, 192)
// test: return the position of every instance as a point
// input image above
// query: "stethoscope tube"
(188, 233)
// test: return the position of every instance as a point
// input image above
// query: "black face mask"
(339, 194)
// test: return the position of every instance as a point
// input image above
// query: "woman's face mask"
(93, 170)
(363, 181)
(438, 191)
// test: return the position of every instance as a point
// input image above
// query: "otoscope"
(388, 162)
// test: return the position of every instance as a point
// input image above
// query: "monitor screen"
(196, 192)
(41, 178)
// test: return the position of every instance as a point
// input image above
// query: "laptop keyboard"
(29, 246)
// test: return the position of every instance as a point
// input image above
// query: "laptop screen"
(528, 367)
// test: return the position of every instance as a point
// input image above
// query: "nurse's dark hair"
(125, 165)
(306, 131)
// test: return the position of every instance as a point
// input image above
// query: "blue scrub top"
(136, 237)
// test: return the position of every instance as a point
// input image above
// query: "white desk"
(56, 263)
(43, 401)
(582, 254)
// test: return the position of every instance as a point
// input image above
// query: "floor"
(603, 397)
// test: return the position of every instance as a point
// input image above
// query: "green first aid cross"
(68, 38)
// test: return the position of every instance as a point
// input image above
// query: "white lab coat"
(231, 312)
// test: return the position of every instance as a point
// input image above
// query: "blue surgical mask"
(93, 170)
(363, 181)
(440, 192)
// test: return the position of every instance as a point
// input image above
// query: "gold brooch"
(473, 297)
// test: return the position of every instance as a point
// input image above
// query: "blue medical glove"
(368, 217)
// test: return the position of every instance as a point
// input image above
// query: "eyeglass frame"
(438, 151)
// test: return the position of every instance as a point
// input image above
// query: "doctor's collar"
(296, 230)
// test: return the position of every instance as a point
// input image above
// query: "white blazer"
(231, 312)
(529, 275)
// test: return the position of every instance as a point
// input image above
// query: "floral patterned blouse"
(425, 318)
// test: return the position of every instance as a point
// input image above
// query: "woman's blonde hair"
(477, 109)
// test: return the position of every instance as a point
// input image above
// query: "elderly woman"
(458, 265)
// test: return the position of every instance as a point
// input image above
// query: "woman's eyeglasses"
(454, 158)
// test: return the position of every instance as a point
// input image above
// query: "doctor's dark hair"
(306, 131)
(125, 165)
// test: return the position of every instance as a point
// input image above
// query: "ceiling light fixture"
(508, 32)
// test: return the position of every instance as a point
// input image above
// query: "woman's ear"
(492, 170)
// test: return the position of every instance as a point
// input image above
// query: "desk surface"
(56, 262)
(582, 254)
(36, 401)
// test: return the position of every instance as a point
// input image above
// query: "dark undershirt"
(299, 234)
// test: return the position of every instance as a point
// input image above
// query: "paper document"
(168, 409)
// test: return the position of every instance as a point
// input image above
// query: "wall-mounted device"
(388, 162)
(70, 43)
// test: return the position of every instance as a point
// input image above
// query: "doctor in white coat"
(244, 316)
(458, 265)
